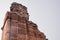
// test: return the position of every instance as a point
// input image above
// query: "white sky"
(45, 13)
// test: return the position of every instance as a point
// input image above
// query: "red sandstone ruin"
(18, 27)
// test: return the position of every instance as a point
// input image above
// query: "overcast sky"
(45, 13)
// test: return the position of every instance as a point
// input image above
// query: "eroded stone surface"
(18, 27)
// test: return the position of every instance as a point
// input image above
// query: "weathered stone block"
(18, 27)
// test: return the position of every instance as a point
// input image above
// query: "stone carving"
(18, 27)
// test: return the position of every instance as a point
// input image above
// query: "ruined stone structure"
(18, 27)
